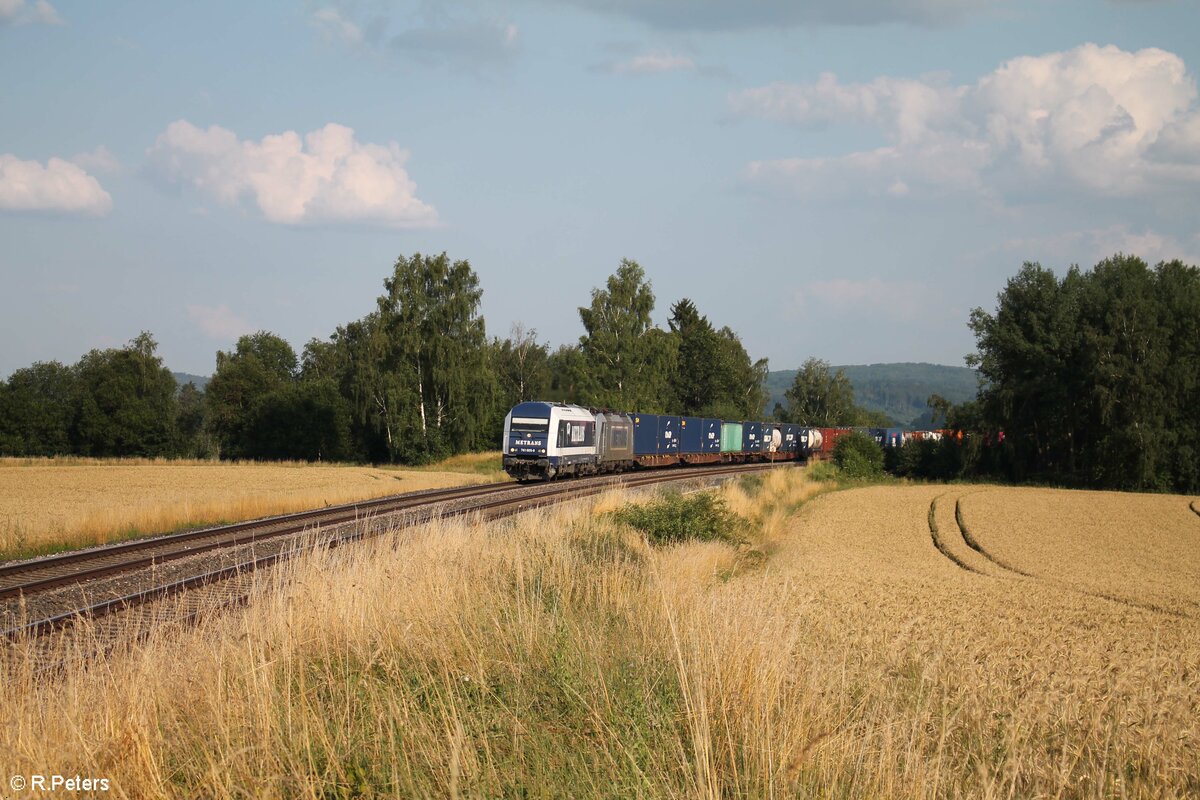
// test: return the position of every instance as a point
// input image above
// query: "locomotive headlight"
(543, 450)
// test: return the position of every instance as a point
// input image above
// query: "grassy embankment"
(49, 505)
(834, 652)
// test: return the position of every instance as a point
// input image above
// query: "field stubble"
(836, 653)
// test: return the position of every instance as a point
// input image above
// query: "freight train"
(544, 440)
(555, 440)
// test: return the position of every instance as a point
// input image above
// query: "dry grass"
(56, 504)
(559, 655)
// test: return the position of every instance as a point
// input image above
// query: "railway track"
(344, 525)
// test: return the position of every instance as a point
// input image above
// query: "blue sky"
(839, 179)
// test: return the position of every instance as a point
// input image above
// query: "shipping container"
(791, 438)
(752, 441)
(645, 434)
(830, 436)
(711, 438)
(668, 435)
(731, 437)
(691, 435)
(893, 437)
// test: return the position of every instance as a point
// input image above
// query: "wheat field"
(835, 652)
(55, 504)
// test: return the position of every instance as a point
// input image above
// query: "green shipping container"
(731, 437)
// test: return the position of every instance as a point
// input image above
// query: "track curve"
(26, 578)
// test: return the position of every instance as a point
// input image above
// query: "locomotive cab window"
(530, 425)
(576, 434)
(620, 438)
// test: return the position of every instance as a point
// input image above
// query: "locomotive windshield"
(530, 425)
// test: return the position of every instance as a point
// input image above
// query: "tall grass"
(559, 654)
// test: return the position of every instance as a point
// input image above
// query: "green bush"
(821, 470)
(677, 517)
(858, 455)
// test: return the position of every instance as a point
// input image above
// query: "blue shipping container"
(712, 436)
(752, 437)
(691, 437)
(669, 429)
(645, 434)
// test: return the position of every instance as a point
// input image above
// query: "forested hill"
(183, 379)
(898, 390)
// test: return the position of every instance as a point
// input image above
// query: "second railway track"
(21, 581)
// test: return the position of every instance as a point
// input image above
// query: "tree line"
(1091, 379)
(414, 380)
(1094, 377)
(1088, 380)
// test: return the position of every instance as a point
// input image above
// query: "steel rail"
(495, 509)
(309, 517)
(192, 543)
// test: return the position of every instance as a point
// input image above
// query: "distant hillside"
(898, 390)
(183, 378)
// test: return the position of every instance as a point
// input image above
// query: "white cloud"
(22, 12)
(326, 176)
(219, 322)
(99, 160)
(654, 61)
(59, 186)
(1098, 119)
(335, 27)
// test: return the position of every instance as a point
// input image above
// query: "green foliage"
(822, 470)
(125, 402)
(302, 421)
(438, 387)
(858, 455)
(820, 397)
(626, 359)
(568, 374)
(193, 440)
(37, 410)
(677, 517)
(260, 364)
(1095, 377)
(522, 367)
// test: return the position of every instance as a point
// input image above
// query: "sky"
(844, 179)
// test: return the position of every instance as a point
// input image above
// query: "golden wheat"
(558, 654)
(1137, 547)
(48, 504)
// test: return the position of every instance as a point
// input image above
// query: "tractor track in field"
(203, 571)
(974, 544)
(935, 535)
